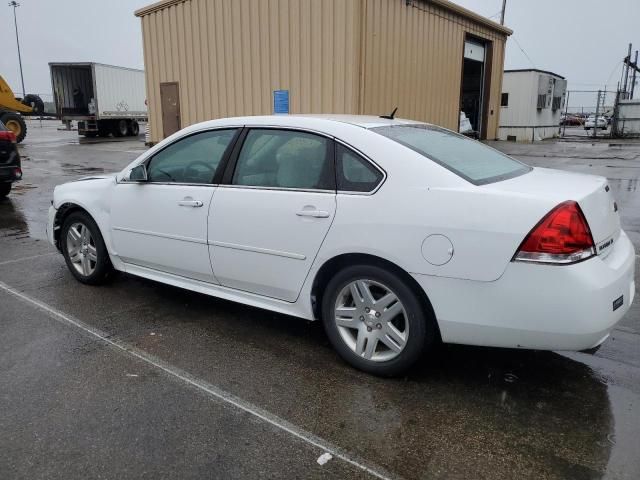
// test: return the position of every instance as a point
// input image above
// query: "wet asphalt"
(141, 380)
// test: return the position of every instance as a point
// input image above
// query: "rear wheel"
(134, 128)
(375, 321)
(120, 128)
(5, 188)
(15, 122)
(84, 250)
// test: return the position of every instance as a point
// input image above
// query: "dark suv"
(10, 169)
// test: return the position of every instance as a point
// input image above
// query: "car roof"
(364, 121)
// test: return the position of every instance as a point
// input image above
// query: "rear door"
(271, 216)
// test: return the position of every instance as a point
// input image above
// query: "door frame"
(177, 84)
(485, 89)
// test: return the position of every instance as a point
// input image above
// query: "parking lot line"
(16, 260)
(203, 386)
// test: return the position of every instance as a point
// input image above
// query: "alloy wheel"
(371, 320)
(81, 249)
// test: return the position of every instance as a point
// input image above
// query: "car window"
(285, 159)
(467, 158)
(2, 127)
(193, 159)
(355, 174)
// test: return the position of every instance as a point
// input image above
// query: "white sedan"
(591, 123)
(395, 234)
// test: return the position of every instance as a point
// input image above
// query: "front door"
(170, 105)
(162, 223)
(268, 223)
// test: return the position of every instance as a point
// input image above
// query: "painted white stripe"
(267, 251)
(206, 387)
(17, 260)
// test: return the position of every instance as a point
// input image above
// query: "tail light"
(7, 136)
(562, 236)
(18, 173)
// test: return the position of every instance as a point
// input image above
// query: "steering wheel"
(198, 173)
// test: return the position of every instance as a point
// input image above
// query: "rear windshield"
(467, 158)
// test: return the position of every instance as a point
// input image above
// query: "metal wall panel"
(413, 60)
(229, 56)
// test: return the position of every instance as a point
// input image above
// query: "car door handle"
(190, 203)
(313, 213)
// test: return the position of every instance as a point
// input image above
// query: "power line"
(522, 50)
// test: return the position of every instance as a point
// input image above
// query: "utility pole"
(627, 61)
(633, 77)
(595, 125)
(15, 5)
(504, 6)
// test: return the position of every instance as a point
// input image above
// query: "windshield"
(469, 159)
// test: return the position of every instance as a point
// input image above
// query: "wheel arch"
(62, 213)
(335, 264)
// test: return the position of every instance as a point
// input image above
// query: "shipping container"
(103, 99)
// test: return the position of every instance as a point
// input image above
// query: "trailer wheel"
(134, 128)
(120, 128)
(15, 123)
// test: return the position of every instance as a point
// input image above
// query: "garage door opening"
(472, 96)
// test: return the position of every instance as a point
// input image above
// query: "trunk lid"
(591, 192)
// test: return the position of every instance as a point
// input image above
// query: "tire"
(86, 270)
(35, 102)
(120, 128)
(410, 322)
(134, 128)
(5, 188)
(15, 122)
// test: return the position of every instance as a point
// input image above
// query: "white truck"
(104, 99)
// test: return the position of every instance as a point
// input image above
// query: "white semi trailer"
(103, 99)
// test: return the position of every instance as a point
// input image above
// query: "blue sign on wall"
(281, 101)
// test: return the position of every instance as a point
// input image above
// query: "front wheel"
(84, 250)
(375, 321)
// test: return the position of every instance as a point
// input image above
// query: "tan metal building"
(207, 59)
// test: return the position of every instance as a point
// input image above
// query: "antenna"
(391, 116)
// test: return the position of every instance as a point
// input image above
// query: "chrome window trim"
(180, 184)
(367, 159)
(284, 189)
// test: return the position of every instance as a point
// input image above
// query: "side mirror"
(138, 174)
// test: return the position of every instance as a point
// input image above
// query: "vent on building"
(557, 103)
(542, 101)
(504, 101)
(511, 138)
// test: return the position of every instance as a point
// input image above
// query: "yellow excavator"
(13, 109)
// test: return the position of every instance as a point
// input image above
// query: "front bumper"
(547, 307)
(51, 225)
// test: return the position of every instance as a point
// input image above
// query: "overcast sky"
(583, 40)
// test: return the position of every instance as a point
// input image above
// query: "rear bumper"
(547, 307)
(10, 173)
